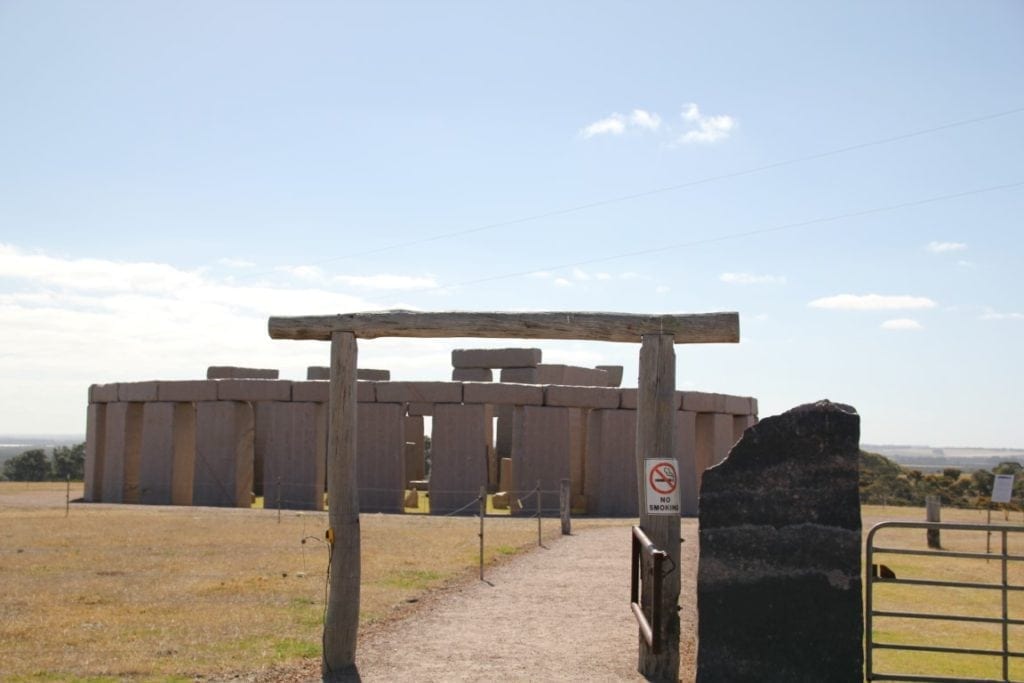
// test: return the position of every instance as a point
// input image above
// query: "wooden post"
(933, 512)
(656, 407)
(67, 498)
(341, 621)
(565, 505)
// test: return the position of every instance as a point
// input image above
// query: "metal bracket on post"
(643, 549)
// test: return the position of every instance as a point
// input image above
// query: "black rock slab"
(779, 587)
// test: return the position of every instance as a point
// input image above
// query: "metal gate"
(999, 590)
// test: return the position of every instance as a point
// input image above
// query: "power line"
(740, 235)
(665, 189)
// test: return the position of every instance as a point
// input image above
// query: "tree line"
(67, 462)
(884, 482)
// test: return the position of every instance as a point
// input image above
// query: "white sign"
(1002, 488)
(661, 477)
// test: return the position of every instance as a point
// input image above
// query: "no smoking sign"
(662, 484)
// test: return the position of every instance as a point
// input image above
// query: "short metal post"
(538, 514)
(483, 513)
(565, 503)
(1006, 613)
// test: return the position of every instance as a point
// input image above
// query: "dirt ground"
(559, 613)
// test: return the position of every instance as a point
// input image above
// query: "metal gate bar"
(1004, 587)
(643, 549)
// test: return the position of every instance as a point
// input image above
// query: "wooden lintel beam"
(690, 328)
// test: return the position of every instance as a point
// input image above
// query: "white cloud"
(751, 279)
(580, 274)
(562, 282)
(611, 125)
(603, 276)
(540, 275)
(616, 124)
(872, 302)
(902, 324)
(704, 129)
(662, 289)
(989, 314)
(945, 247)
(307, 273)
(235, 263)
(389, 282)
(645, 119)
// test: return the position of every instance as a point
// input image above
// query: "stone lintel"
(495, 358)
(503, 394)
(581, 397)
(187, 391)
(232, 372)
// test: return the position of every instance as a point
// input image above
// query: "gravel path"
(556, 614)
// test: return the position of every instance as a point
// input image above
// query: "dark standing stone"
(779, 587)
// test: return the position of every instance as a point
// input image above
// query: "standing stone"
(168, 453)
(291, 442)
(459, 447)
(224, 454)
(95, 443)
(714, 438)
(380, 457)
(547, 446)
(415, 449)
(779, 587)
(121, 452)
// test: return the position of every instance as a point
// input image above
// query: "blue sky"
(847, 176)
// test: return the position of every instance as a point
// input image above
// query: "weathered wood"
(933, 513)
(342, 618)
(656, 404)
(702, 328)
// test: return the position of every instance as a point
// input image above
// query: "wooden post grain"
(933, 512)
(656, 406)
(342, 618)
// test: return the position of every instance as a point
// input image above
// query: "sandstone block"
(380, 453)
(254, 390)
(614, 374)
(419, 392)
(187, 391)
(548, 445)
(366, 391)
(223, 475)
(503, 427)
(581, 397)
(372, 375)
(460, 438)
(495, 358)
(628, 399)
(714, 438)
(419, 409)
(121, 452)
(319, 372)
(137, 391)
(95, 442)
(412, 499)
(472, 375)
(168, 453)
(312, 391)
(499, 501)
(505, 480)
(103, 393)
(291, 445)
(232, 372)
(701, 402)
(519, 375)
(779, 579)
(740, 424)
(737, 405)
(503, 394)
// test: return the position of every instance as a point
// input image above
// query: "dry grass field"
(159, 593)
(114, 593)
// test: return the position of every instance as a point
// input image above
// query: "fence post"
(539, 510)
(933, 508)
(278, 500)
(483, 513)
(67, 498)
(565, 503)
